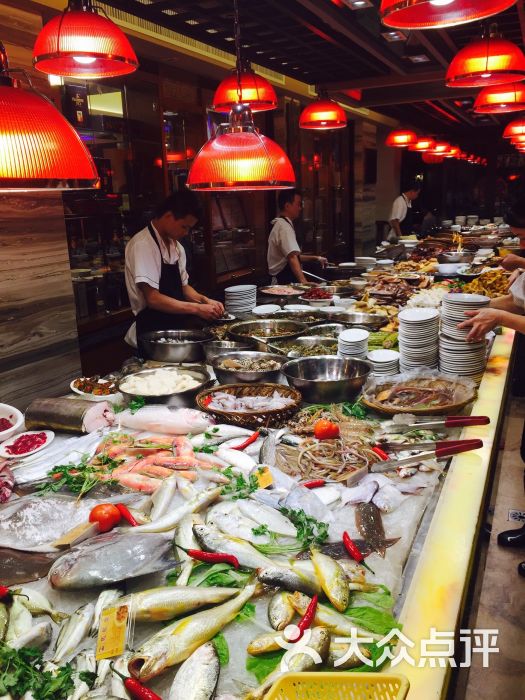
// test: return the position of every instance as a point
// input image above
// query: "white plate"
(319, 303)
(348, 264)
(297, 307)
(383, 356)
(462, 298)
(3, 452)
(266, 309)
(354, 335)
(418, 315)
(242, 288)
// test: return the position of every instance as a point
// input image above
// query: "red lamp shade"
(429, 14)
(255, 91)
(515, 128)
(401, 138)
(323, 114)
(423, 144)
(441, 148)
(500, 99)
(239, 158)
(490, 61)
(432, 158)
(80, 43)
(518, 139)
(39, 149)
(453, 152)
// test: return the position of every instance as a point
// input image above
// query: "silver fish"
(103, 669)
(111, 557)
(162, 498)
(289, 579)
(198, 676)
(280, 611)
(228, 519)
(214, 541)
(72, 632)
(219, 434)
(338, 650)
(85, 661)
(117, 684)
(185, 538)
(38, 604)
(264, 515)
(168, 602)
(173, 517)
(20, 620)
(104, 599)
(38, 636)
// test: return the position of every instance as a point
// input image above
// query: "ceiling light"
(432, 14)
(252, 89)
(519, 138)
(323, 114)
(515, 128)
(394, 36)
(432, 158)
(39, 149)
(423, 144)
(357, 4)
(419, 58)
(501, 98)
(192, 22)
(212, 31)
(80, 43)
(441, 148)
(401, 138)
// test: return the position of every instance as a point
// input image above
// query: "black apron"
(407, 224)
(170, 284)
(286, 275)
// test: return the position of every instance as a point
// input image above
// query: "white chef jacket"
(143, 264)
(281, 243)
(518, 291)
(399, 211)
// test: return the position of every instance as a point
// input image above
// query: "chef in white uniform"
(401, 219)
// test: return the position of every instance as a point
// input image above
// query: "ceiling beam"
(390, 80)
(419, 93)
(357, 34)
(429, 46)
(458, 112)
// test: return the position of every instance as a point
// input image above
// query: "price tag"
(264, 477)
(113, 631)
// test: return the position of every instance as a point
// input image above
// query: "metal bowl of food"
(265, 331)
(307, 346)
(175, 386)
(327, 330)
(307, 317)
(174, 346)
(248, 367)
(216, 348)
(326, 379)
(455, 257)
(369, 321)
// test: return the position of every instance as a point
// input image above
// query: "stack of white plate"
(240, 299)
(353, 343)
(456, 356)
(453, 310)
(384, 362)
(418, 338)
(266, 309)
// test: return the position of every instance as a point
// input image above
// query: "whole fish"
(20, 620)
(264, 643)
(333, 620)
(280, 611)
(337, 550)
(38, 636)
(162, 498)
(85, 661)
(388, 498)
(20, 567)
(227, 517)
(214, 541)
(117, 684)
(175, 643)
(338, 650)
(72, 632)
(4, 620)
(104, 599)
(111, 557)
(264, 515)
(370, 526)
(38, 604)
(172, 518)
(103, 669)
(236, 459)
(319, 642)
(165, 420)
(333, 580)
(167, 602)
(218, 434)
(185, 538)
(198, 676)
(289, 579)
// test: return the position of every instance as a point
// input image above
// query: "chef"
(401, 219)
(284, 255)
(156, 278)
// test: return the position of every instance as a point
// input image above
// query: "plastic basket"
(339, 686)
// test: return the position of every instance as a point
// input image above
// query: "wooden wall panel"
(38, 334)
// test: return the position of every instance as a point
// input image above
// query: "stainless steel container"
(308, 341)
(369, 321)
(180, 399)
(266, 331)
(217, 348)
(327, 330)
(243, 376)
(326, 379)
(188, 348)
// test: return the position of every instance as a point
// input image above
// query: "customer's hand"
(480, 323)
(322, 261)
(208, 312)
(514, 276)
(512, 262)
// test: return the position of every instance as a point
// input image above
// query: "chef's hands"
(209, 311)
(512, 262)
(216, 304)
(480, 323)
(322, 261)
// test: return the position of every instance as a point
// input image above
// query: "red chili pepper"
(211, 557)
(207, 400)
(6, 595)
(248, 441)
(135, 688)
(380, 453)
(306, 621)
(126, 514)
(353, 551)
(314, 484)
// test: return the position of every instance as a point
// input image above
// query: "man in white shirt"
(401, 216)
(284, 255)
(156, 278)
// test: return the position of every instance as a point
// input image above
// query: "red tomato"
(106, 515)
(326, 430)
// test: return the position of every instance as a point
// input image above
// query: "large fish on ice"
(162, 419)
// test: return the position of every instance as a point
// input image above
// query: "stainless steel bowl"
(311, 340)
(216, 348)
(307, 317)
(465, 257)
(243, 376)
(265, 330)
(182, 398)
(327, 330)
(326, 379)
(370, 321)
(189, 350)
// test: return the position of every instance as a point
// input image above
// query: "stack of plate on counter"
(240, 299)
(456, 355)
(353, 343)
(418, 338)
(384, 362)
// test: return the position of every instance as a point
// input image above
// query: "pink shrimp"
(151, 470)
(139, 482)
(182, 447)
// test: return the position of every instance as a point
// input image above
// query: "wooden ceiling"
(325, 42)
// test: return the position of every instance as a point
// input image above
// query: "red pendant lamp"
(518, 139)
(432, 158)
(401, 138)
(489, 61)
(499, 99)
(441, 148)
(81, 43)
(434, 14)
(514, 128)
(425, 143)
(252, 90)
(452, 152)
(323, 114)
(39, 150)
(239, 158)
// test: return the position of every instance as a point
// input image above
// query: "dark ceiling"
(325, 42)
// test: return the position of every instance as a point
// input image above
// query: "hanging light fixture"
(519, 138)
(81, 43)
(253, 90)
(499, 99)
(434, 14)
(432, 158)
(323, 114)
(452, 152)
(401, 138)
(490, 61)
(441, 148)
(39, 149)
(514, 128)
(425, 143)
(238, 157)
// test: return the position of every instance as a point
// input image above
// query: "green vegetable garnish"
(21, 672)
(239, 487)
(261, 530)
(79, 478)
(247, 612)
(213, 575)
(136, 403)
(222, 649)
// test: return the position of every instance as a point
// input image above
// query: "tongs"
(442, 449)
(437, 423)
(315, 277)
(428, 445)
